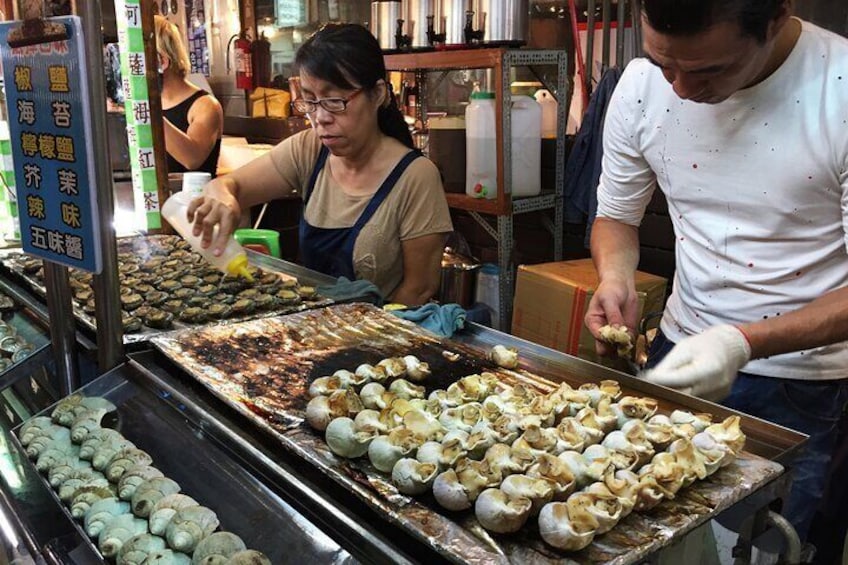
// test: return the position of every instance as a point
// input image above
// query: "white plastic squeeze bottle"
(233, 259)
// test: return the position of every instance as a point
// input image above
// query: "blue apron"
(330, 250)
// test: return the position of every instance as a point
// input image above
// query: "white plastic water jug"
(549, 113)
(526, 147)
(481, 149)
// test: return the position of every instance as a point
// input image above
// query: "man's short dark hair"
(689, 17)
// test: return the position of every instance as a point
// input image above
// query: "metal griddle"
(262, 369)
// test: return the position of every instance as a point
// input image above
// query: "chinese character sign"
(49, 124)
(139, 119)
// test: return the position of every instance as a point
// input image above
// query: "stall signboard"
(50, 125)
(139, 118)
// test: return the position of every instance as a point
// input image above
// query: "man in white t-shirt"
(740, 116)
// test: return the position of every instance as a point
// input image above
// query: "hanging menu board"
(49, 126)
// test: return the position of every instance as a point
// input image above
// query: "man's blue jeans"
(811, 407)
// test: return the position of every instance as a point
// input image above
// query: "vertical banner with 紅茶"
(46, 87)
(138, 112)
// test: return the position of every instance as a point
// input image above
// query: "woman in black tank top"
(194, 119)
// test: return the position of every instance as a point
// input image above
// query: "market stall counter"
(232, 400)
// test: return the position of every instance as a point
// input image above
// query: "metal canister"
(420, 19)
(384, 22)
(502, 21)
(453, 21)
(458, 278)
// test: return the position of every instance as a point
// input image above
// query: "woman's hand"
(615, 303)
(218, 206)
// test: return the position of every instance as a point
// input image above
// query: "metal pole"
(590, 46)
(62, 330)
(606, 17)
(110, 348)
(619, 35)
(636, 18)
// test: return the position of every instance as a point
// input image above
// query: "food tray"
(205, 470)
(263, 368)
(16, 263)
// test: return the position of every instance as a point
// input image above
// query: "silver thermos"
(499, 22)
(421, 22)
(453, 16)
(385, 22)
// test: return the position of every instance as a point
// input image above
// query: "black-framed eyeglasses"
(334, 105)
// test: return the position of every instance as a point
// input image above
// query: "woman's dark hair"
(348, 56)
(689, 17)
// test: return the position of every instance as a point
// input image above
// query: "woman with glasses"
(374, 208)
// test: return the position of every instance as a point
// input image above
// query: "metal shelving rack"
(503, 207)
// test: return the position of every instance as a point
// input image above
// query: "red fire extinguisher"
(243, 62)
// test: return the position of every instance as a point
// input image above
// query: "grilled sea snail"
(412, 477)
(504, 357)
(385, 451)
(567, 525)
(416, 369)
(344, 440)
(538, 491)
(501, 513)
(406, 390)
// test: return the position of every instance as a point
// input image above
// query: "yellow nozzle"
(238, 267)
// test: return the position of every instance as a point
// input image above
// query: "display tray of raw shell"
(132, 512)
(20, 335)
(165, 285)
(482, 460)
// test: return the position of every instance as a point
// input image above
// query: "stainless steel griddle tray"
(458, 537)
(265, 262)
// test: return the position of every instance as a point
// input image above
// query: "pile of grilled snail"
(577, 460)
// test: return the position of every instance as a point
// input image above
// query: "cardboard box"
(551, 301)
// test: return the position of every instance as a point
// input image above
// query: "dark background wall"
(830, 14)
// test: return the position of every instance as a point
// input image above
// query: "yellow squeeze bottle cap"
(238, 267)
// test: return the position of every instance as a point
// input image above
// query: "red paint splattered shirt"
(757, 188)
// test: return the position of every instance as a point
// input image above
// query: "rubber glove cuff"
(706, 364)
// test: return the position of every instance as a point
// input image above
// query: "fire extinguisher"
(243, 63)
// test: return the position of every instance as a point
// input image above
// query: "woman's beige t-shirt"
(415, 207)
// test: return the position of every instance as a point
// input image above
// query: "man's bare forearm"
(822, 322)
(615, 249)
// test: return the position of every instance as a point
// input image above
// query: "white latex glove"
(704, 365)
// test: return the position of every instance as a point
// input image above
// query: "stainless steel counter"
(187, 447)
(280, 502)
